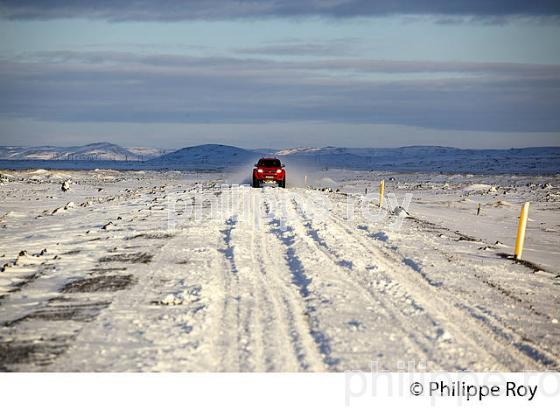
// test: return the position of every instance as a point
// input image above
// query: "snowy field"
(177, 271)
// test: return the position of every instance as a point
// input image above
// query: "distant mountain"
(429, 158)
(92, 152)
(298, 151)
(411, 159)
(535, 160)
(206, 156)
(148, 153)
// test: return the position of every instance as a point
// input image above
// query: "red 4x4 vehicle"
(269, 170)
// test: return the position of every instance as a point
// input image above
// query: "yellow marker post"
(381, 192)
(521, 231)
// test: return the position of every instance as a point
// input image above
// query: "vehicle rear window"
(269, 163)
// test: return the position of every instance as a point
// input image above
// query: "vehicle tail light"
(278, 171)
(259, 170)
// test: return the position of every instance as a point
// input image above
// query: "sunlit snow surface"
(187, 271)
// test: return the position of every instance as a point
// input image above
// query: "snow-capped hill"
(298, 150)
(207, 156)
(369, 152)
(535, 160)
(430, 158)
(91, 152)
(147, 152)
(102, 151)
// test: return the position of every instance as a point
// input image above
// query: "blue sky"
(344, 75)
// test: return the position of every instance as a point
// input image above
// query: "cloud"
(335, 47)
(222, 65)
(177, 10)
(135, 88)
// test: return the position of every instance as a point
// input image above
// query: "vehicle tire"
(282, 184)
(256, 183)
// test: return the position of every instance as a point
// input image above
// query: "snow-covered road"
(269, 280)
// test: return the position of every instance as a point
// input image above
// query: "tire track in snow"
(511, 350)
(273, 334)
(521, 338)
(494, 354)
(292, 301)
(407, 314)
(301, 282)
(230, 340)
(249, 300)
(354, 350)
